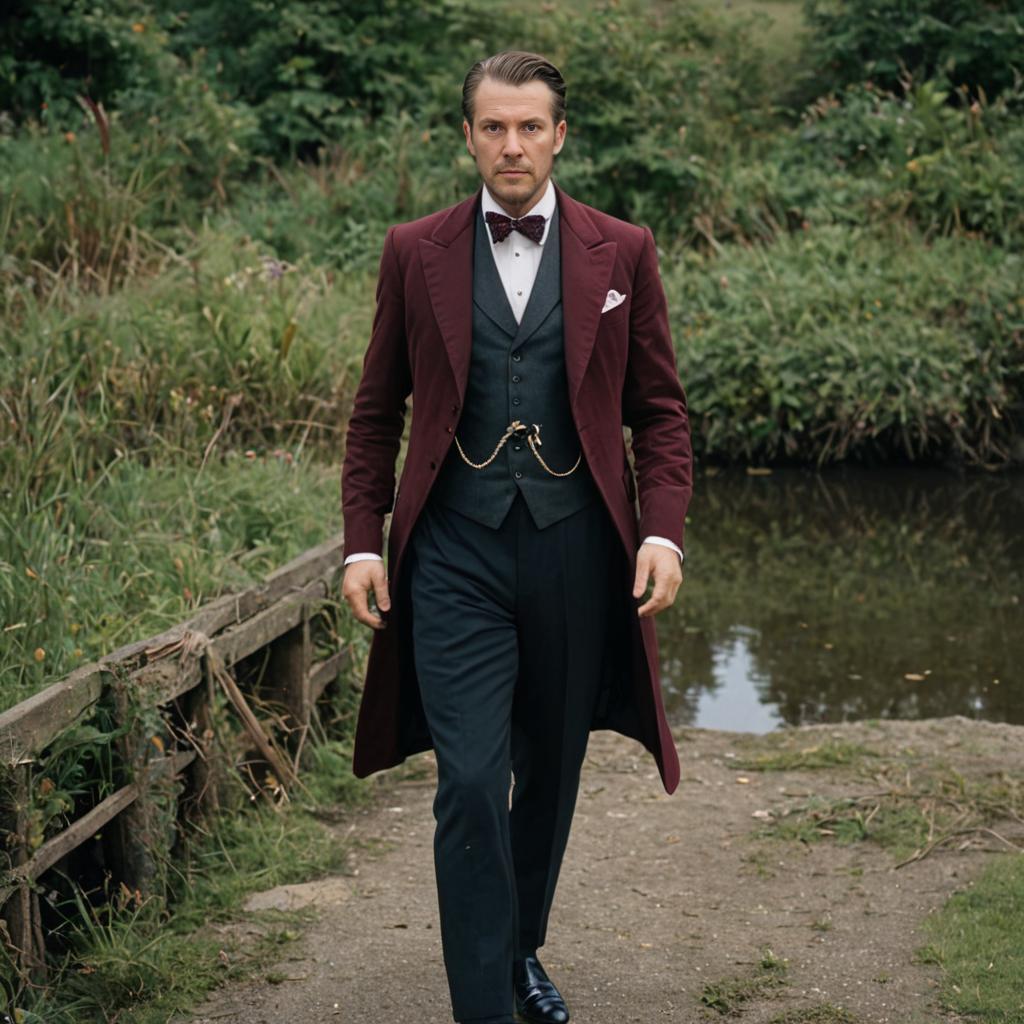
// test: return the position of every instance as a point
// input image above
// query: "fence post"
(202, 779)
(287, 679)
(21, 914)
(145, 829)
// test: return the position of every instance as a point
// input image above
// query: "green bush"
(315, 72)
(840, 344)
(975, 43)
(52, 51)
(869, 157)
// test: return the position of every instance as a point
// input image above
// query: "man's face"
(514, 140)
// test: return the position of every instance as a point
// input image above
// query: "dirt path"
(660, 897)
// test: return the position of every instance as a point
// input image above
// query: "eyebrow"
(525, 120)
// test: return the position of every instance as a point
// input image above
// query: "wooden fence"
(162, 693)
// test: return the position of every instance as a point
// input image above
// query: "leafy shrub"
(976, 43)
(839, 344)
(317, 71)
(54, 50)
(866, 156)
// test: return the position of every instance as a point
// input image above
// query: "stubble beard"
(519, 195)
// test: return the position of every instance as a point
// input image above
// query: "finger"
(643, 572)
(657, 601)
(357, 601)
(380, 591)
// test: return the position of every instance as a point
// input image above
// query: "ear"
(468, 132)
(560, 130)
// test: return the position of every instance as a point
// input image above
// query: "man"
(528, 328)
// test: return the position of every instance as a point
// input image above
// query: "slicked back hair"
(515, 67)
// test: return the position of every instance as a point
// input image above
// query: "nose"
(512, 147)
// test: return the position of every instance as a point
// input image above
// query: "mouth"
(512, 174)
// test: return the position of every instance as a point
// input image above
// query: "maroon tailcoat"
(621, 369)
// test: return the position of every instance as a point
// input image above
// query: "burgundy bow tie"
(501, 226)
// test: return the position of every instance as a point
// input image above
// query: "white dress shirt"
(517, 259)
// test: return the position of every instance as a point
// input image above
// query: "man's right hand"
(360, 578)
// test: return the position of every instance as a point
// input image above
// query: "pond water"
(892, 593)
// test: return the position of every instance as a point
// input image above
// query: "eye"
(532, 128)
(491, 129)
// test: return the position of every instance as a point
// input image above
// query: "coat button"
(449, 429)
(518, 474)
(455, 408)
(518, 447)
(517, 356)
(515, 378)
(515, 401)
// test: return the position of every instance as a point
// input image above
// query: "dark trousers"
(510, 636)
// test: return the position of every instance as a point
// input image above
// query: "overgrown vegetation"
(192, 201)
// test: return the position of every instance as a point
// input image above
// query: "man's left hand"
(661, 563)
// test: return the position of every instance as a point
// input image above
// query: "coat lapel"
(447, 259)
(587, 263)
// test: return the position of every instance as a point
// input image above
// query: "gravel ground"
(659, 896)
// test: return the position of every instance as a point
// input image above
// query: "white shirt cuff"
(362, 556)
(664, 542)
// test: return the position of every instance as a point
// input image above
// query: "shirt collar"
(545, 206)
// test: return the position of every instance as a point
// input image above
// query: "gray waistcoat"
(516, 371)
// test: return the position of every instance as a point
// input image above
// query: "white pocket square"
(613, 299)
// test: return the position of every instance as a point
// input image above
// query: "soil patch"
(680, 908)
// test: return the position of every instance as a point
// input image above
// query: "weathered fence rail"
(259, 639)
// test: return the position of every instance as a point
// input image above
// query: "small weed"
(728, 995)
(759, 861)
(823, 755)
(825, 1013)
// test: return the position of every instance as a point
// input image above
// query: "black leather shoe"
(537, 999)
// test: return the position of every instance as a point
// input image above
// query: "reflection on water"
(854, 594)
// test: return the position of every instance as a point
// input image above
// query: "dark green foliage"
(975, 43)
(54, 50)
(316, 70)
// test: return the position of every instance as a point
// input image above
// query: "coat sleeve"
(374, 432)
(654, 407)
